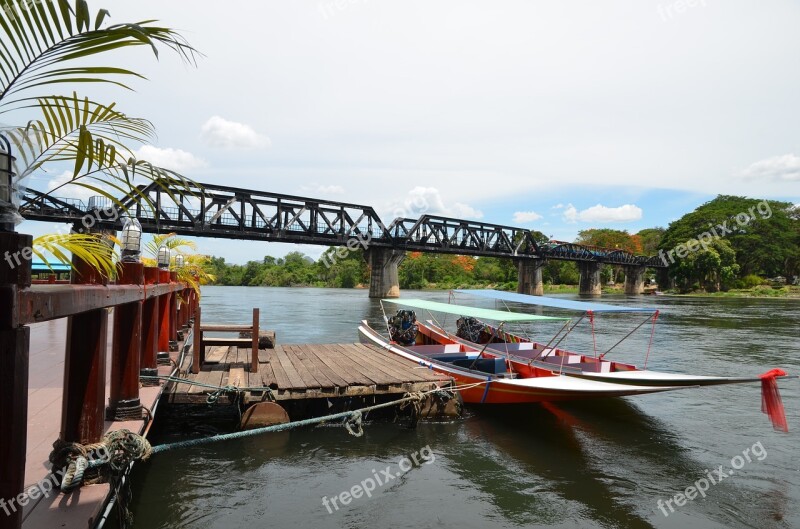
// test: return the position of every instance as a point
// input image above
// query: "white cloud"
(600, 213)
(428, 201)
(320, 189)
(558, 206)
(70, 190)
(780, 168)
(225, 134)
(523, 217)
(169, 158)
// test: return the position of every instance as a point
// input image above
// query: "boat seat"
(449, 357)
(511, 347)
(487, 365)
(594, 367)
(570, 360)
(428, 350)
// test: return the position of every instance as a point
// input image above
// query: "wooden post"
(14, 368)
(254, 351)
(150, 326)
(164, 317)
(84, 392)
(173, 315)
(126, 351)
(197, 343)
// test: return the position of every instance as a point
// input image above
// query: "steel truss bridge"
(210, 210)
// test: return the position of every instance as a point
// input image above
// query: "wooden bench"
(200, 341)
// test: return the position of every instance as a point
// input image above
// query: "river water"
(587, 464)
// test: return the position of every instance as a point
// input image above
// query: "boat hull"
(478, 388)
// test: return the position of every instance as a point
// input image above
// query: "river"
(605, 464)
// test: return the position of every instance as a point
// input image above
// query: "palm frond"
(171, 241)
(193, 271)
(94, 137)
(90, 134)
(94, 249)
(38, 37)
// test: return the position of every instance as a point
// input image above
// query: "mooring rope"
(107, 459)
(214, 396)
(351, 420)
(115, 451)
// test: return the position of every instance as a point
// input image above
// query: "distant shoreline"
(789, 292)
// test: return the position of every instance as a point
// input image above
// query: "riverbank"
(788, 292)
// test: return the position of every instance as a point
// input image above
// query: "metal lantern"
(131, 240)
(163, 258)
(7, 207)
(179, 261)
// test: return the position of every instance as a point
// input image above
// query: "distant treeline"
(712, 248)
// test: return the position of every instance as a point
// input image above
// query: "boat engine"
(403, 327)
(469, 329)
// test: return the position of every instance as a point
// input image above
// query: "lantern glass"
(179, 260)
(5, 176)
(6, 171)
(163, 257)
(131, 240)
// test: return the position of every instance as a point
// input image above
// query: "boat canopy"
(568, 304)
(474, 312)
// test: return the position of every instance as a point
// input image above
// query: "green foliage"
(561, 273)
(711, 268)
(608, 238)
(766, 244)
(749, 281)
(650, 240)
(348, 269)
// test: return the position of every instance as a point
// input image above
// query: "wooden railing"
(200, 341)
(150, 307)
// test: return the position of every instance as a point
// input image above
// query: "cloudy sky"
(554, 115)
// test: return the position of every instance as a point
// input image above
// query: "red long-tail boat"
(500, 367)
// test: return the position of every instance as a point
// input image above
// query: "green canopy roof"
(461, 310)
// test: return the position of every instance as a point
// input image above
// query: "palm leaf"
(94, 137)
(37, 37)
(171, 241)
(92, 248)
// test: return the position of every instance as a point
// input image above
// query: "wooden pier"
(307, 371)
(82, 359)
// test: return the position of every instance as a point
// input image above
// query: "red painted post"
(254, 349)
(197, 343)
(126, 351)
(83, 403)
(14, 369)
(164, 318)
(150, 326)
(173, 315)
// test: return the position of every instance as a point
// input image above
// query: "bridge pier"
(529, 276)
(634, 279)
(383, 280)
(590, 278)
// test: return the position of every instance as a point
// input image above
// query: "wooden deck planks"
(300, 357)
(397, 373)
(309, 371)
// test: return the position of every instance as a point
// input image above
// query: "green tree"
(762, 233)
(651, 240)
(711, 268)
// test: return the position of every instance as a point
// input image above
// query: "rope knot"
(354, 425)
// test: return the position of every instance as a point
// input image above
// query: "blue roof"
(39, 266)
(568, 304)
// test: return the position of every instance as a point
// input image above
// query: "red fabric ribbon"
(771, 402)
